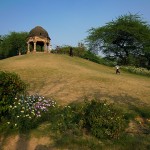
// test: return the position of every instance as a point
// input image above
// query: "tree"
(126, 39)
(12, 44)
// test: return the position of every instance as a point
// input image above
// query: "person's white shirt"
(117, 67)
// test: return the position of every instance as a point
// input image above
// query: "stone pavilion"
(38, 37)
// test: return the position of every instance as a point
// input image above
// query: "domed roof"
(38, 31)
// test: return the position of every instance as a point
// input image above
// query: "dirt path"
(22, 143)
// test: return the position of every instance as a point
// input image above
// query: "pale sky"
(66, 21)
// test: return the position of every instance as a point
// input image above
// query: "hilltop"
(67, 79)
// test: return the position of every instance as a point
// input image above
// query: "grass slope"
(71, 78)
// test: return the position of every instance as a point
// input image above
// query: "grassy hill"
(71, 78)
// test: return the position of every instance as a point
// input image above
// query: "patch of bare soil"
(22, 143)
(138, 126)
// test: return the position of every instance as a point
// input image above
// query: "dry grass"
(68, 79)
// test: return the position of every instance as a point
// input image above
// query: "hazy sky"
(67, 21)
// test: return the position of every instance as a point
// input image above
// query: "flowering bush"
(104, 120)
(26, 109)
(68, 119)
(141, 71)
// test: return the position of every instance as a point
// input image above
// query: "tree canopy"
(12, 44)
(125, 39)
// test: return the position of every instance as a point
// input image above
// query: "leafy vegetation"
(10, 86)
(13, 44)
(104, 120)
(135, 70)
(77, 51)
(26, 110)
(125, 39)
(101, 119)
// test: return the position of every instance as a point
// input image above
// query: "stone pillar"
(45, 47)
(50, 48)
(34, 50)
(28, 51)
(19, 53)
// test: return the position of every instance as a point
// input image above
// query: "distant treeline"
(13, 44)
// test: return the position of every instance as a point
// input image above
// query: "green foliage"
(101, 119)
(12, 44)
(68, 119)
(126, 39)
(26, 111)
(91, 56)
(135, 70)
(10, 86)
(70, 123)
(104, 120)
(77, 51)
(97, 59)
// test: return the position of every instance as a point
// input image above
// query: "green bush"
(77, 51)
(27, 111)
(68, 118)
(104, 120)
(10, 86)
(133, 69)
(91, 56)
(99, 118)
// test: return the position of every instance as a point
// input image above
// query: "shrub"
(77, 51)
(104, 120)
(26, 110)
(140, 71)
(91, 56)
(101, 119)
(10, 86)
(68, 118)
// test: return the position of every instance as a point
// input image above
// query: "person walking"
(117, 69)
